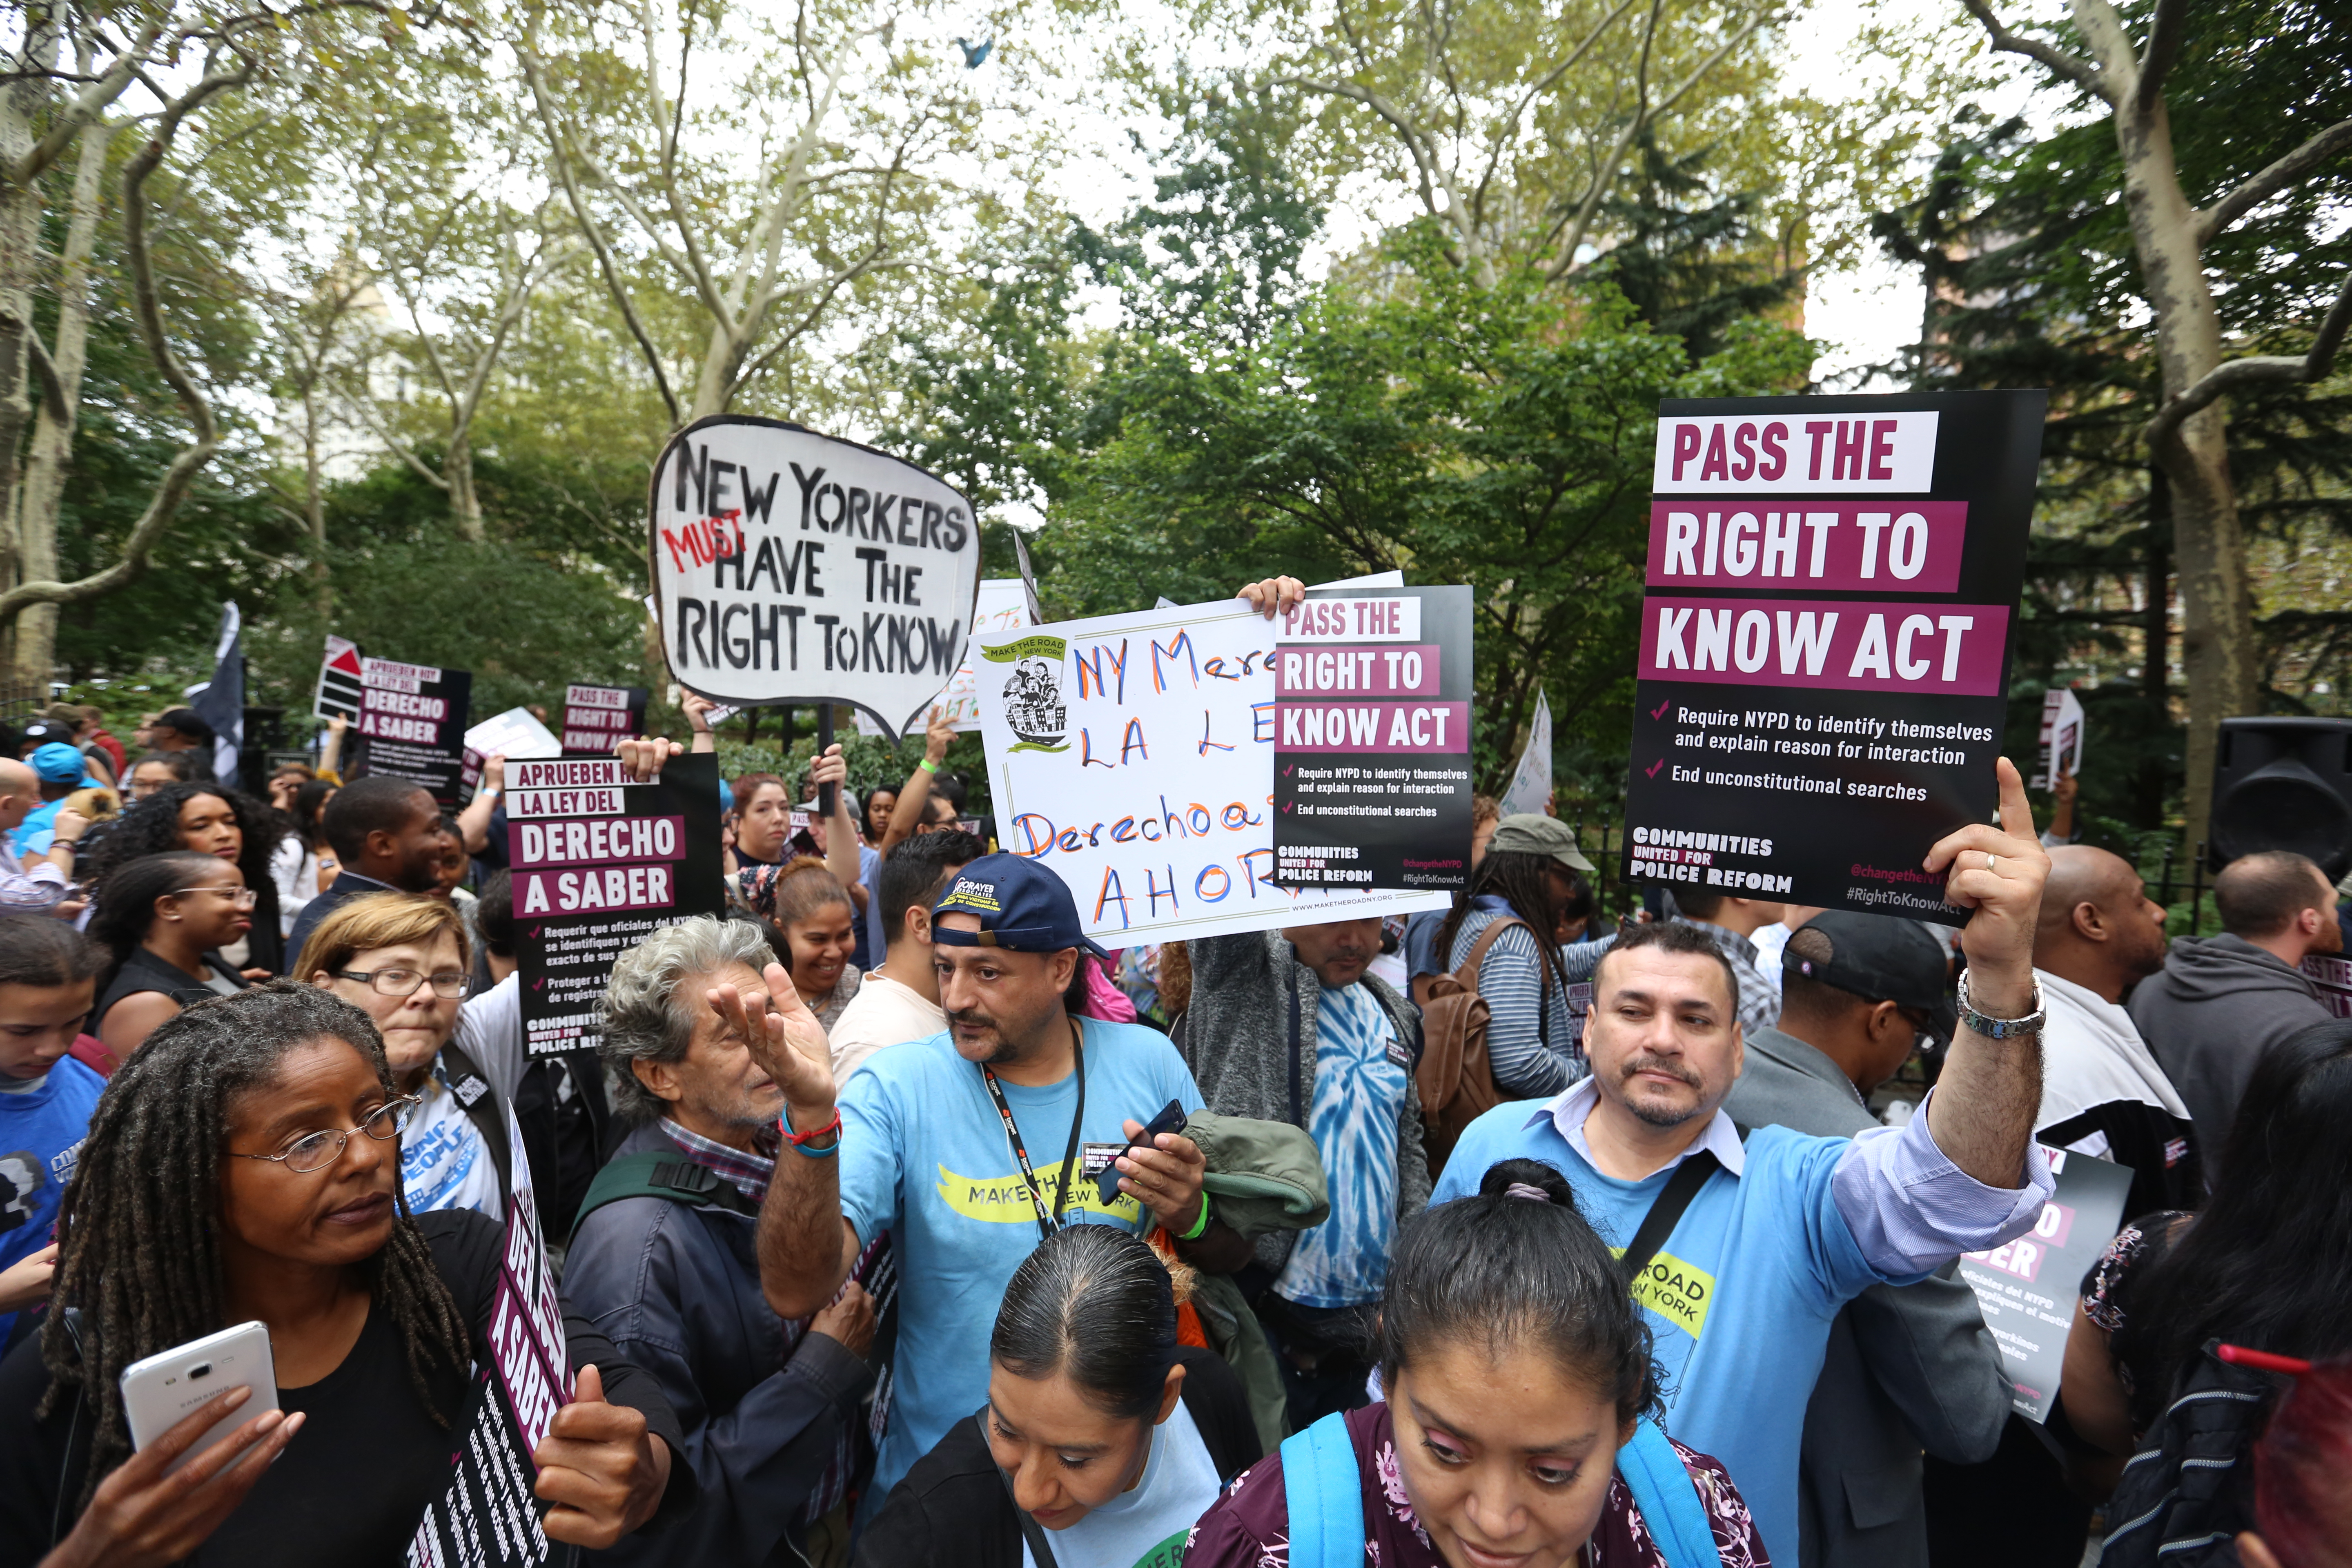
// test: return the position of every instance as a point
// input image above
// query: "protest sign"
(1824, 641)
(1530, 790)
(340, 685)
(1003, 605)
(516, 735)
(598, 718)
(598, 860)
(2333, 978)
(791, 568)
(2062, 738)
(1371, 751)
(1133, 755)
(412, 725)
(2028, 1288)
(486, 1516)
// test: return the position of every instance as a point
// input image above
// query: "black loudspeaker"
(2283, 783)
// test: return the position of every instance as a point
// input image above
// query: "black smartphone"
(1170, 1119)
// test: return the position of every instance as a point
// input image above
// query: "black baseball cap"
(1879, 958)
(1023, 907)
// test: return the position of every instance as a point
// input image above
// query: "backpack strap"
(1323, 1488)
(1041, 1551)
(1667, 1498)
(673, 1178)
(485, 1108)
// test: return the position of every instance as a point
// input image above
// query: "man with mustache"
(1743, 1249)
(970, 1146)
(1289, 1027)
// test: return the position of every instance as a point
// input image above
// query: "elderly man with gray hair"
(662, 1260)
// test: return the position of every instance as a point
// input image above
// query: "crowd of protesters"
(898, 1222)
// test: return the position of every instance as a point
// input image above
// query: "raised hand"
(644, 756)
(937, 736)
(1997, 873)
(1274, 595)
(1165, 1179)
(598, 1465)
(788, 1043)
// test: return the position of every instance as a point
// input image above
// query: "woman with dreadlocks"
(209, 819)
(244, 1165)
(1505, 923)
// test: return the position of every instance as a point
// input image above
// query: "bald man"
(38, 884)
(2103, 1092)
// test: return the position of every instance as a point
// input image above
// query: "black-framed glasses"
(242, 898)
(449, 984)
(317, 1151)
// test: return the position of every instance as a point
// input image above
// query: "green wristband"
(1200, 1226)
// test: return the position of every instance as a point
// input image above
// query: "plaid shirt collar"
(748, 1173)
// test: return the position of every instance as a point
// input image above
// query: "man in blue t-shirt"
(970, 1146)
(46, 1100)
(1782, 1229)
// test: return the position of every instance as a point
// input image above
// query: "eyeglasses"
(404, 982)
(241, 898)
(320, 1150)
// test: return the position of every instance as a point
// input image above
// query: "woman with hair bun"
(1519, 1427)
(1102, 1439)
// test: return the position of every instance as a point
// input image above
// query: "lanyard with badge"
(1048, 1220)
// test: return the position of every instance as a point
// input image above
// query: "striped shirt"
(1533, 1045)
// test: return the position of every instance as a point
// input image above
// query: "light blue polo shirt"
(1741, 1294)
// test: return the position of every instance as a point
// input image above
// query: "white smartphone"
(160, 1391)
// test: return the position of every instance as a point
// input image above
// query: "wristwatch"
(1999, 1029)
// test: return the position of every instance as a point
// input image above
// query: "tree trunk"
(20, 232)
(2217, 634)
(51, 459)
(465, 502)
(2155, 656)
(314, 496)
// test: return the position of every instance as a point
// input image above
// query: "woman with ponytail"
(1520, 1424)
(1102, 1439)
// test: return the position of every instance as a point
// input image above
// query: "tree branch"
(2163, 47)
(181, 474)
(2074, 68)
(86, 108)
(589, 226)
(2256, 370)
(2213, 220)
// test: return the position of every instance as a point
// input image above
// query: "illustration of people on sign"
(1032, 702)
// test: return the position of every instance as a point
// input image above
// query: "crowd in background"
(1504, 1233)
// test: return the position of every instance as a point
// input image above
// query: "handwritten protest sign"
(599, 860)
(791, 568)
(1003, 607)
(486, 1516)
(598, 718)
(1824, 642)
(1371, 751)
(2028, 1288)
(1134, 756)
(412, 725)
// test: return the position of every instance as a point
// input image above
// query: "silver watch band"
(1999, 1029)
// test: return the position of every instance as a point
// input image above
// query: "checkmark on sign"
(1285, 772)
(1652, 769)
(540, 984)
(1286, 805)
(1660, 711)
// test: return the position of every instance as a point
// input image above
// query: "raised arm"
(805, 1247)
(474, 822)
(915, 795)
(698, 718)
(1983, 1111)
(840, 828)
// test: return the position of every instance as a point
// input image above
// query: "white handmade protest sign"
(1003, 607)
(1133, 755)
(790, 568)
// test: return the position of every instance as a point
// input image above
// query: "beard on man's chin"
(1651, 1110)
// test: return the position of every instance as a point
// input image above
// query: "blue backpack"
(1325, 1491)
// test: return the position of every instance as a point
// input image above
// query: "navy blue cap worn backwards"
(1023, 907)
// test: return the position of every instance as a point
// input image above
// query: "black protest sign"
(486, 1516)
(598, 718)
(1824, 644)
(597, 861)
(2027, 1289)
(1371, 740)
(789, 568)
(412, 725)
